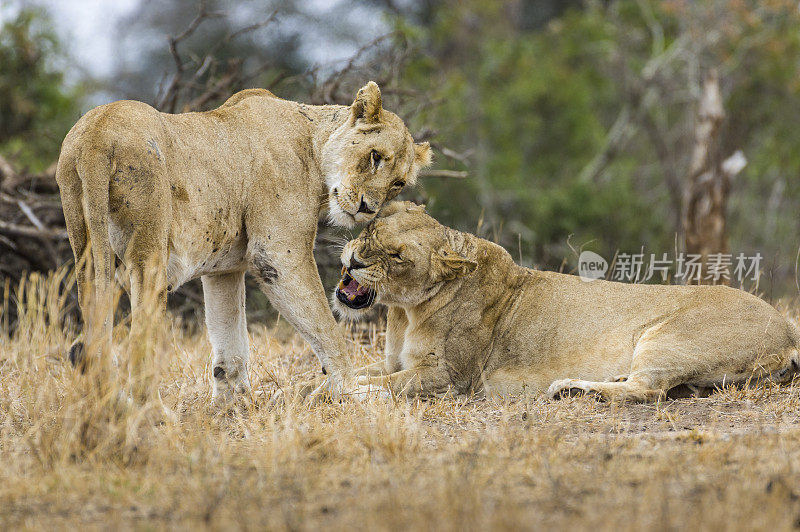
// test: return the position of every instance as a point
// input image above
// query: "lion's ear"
(423, 155)
(367, 105)
(447, 265)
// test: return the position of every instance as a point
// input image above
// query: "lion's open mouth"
(352, 294)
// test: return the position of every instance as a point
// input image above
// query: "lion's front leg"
(290, 279)
(421, 381)
(396, 325)
(372, 370)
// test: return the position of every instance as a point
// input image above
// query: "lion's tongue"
(352, 288)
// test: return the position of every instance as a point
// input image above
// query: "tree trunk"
(707, 188)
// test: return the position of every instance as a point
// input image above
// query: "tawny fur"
(463, 317)
(219, 193)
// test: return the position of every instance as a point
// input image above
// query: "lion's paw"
(331, 390)
(363, 391)
(565, 388)
(230, 389)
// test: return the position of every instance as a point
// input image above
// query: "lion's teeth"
(341, 285)
(344, 269)
(351, 297)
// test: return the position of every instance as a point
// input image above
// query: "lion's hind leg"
(224, 296)
(658, 363)
(789, 369)
(84, 184)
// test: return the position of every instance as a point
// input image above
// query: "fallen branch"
(33, 232)
(28, 212)
(454, 174)
(7, 173)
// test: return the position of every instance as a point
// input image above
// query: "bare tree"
(196, 82)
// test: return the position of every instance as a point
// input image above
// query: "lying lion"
(464, 317)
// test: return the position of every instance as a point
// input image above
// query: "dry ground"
(73, 457)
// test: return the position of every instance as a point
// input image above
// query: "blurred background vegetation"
(574, 121)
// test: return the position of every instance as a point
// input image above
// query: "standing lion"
(220, 193)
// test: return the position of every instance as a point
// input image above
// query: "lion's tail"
(69, 184)
(83, 181)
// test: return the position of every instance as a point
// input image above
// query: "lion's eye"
(399, 184)
(375, 159)
(395, 254)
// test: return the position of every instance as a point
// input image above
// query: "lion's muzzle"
(352, 294)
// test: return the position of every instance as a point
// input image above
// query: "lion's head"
(402, 258)
(369, 159)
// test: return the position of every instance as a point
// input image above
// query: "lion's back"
(123, 121)
(108, 127)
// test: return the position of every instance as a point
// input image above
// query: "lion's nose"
(363, 207)
(355, 264)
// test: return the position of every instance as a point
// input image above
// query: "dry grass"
(73, 456)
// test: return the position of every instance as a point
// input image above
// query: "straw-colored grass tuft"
(78, 450)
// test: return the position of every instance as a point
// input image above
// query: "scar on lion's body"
(152, 147)
(266, 272)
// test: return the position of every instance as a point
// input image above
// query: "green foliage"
(36, 109)
(534, 102)
(533, 107)
(531, 92)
